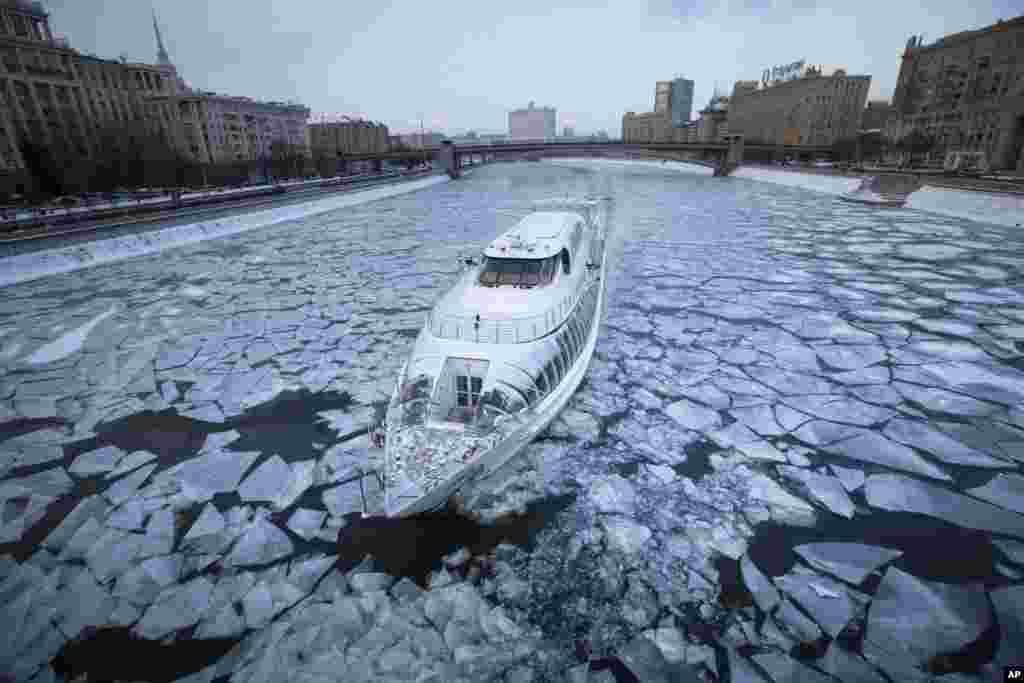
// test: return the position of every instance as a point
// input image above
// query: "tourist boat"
(498, 358)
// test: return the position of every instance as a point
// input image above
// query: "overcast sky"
(464, 65)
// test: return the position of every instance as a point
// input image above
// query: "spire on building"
(162, 57)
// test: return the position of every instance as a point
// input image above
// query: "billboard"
(784, 72)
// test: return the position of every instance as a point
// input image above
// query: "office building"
(811, 109)
(681, 100)
(876, 115)
(532, 123)
(673, 105)
(54, 95)
(349, 135)
(966, 91)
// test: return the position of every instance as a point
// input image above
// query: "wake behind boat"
(498, 358)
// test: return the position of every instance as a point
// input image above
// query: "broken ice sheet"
(911, 620)
(1009, 605)
(828, 491)
(919, 435)
(828, 602)
(851, 562)
(261, 543)
(177, 607)
(1004, 490)
(765, 594)
(900, 493)
(871, 447)
(306, 522)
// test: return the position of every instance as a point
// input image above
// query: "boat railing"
(503, 331)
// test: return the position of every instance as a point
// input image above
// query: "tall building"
(681, 102)
(876, 115)
(568, 132)
(347, 136)
(967, 91)
(53, 94)
(222, 128)
(673, 105)
(532, 123)
(812, 109)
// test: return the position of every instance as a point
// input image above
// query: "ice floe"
(851, 562)
(261, 543)
(176, 607)
(829, 491)
(911, 620)
(1004, 490)
(1009, 606)
(875, 448)
(897, 492)
(68, 343)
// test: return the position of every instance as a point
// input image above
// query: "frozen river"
(797, 455)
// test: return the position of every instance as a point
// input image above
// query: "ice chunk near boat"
(306, 522)
(900, 493)
(1004, 490)
(911, 620)
(784, 669)
(1009, 605)
(920, 435)
(851, 562)
(847, 666)
(874, 448)
(828, 491)
(784, 506)
(766, 595)
(828, 602)
(694, 416)
(177, 607)
(852, 479)
(261, 543)
(69, 342)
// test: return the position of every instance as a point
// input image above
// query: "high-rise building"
(673, 105)
(812, 109)
(347, 136)
(53, 94)
(966, 90)
(876, 115)
(681, 102)
(568, 132)
(532, 123)
(222, 128)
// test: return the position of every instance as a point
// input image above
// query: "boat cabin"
(530, 254)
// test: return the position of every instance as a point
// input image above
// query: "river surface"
(797, 454)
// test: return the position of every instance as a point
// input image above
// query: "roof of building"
(538, 235)
(953, 38)
(29, 6)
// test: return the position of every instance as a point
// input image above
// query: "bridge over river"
(797, 454)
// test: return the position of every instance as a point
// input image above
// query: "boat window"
(565, 261)
(467, 390)
(497, 272)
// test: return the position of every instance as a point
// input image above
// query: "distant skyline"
(464, 66)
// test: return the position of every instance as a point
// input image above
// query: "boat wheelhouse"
(498, 357)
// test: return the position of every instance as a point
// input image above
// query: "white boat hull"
(529, 423)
